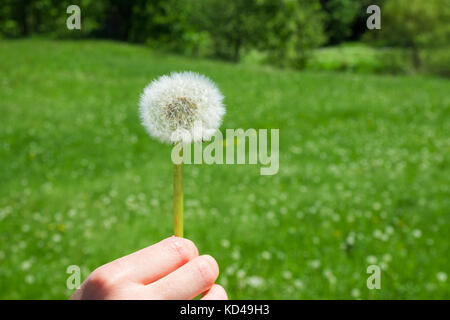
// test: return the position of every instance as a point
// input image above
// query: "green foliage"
(217, 28)
(286, 30)
(416, 24)
(437, 61)
(231, 25)
(341, 15)
(364, 176)
(163, 23)
(294, 28)
(25, 18)
(285, 33)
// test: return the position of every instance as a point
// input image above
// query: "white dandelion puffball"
(181, 107)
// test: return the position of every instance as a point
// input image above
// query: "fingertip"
(217, 292)
(208, 269)
(212, 263)
(193, 247)
(184, 248)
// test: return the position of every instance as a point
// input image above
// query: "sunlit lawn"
(364, 176)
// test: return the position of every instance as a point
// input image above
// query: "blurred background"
(318, 35)
(364, 143)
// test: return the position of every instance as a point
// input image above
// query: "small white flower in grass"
(356, 293)
(287, 275)
(330, 276)
(387, 257)
(236, 254)
(441, 276)
(255, 281)
(26, 265)
(241, 273)
(371, 259)
(225, 243)
(231, 269)
(29, 279)
(298, 284)
(181, 107)
(266, 255)
(350, 240)
(314, 264)
(417, 233)
(389, 230)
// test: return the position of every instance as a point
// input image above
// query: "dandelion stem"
(178, 199)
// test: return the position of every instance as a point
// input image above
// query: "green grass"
(354, 57)
(364, 176)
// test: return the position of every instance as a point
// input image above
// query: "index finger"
(154, 262)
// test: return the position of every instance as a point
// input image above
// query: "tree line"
(285, 30)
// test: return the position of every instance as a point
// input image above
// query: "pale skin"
(170, 269)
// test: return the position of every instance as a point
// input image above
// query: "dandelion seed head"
(181, 107)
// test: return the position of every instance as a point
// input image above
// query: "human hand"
(170, 269)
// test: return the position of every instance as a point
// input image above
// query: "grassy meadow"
(364, 175)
